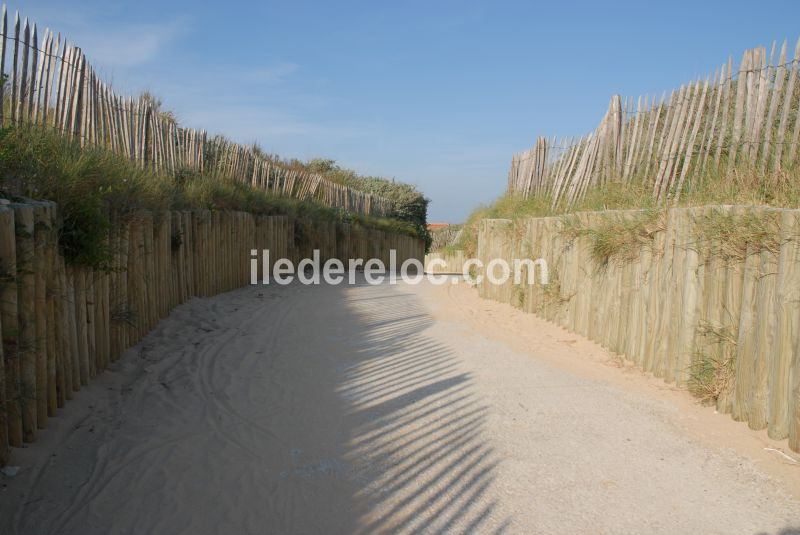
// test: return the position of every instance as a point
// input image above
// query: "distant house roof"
(437, 226)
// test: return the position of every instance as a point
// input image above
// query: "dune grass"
(95, 187)
(737, 235)
(620, 240)
(742, 186)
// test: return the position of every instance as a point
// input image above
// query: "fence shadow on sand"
(415, 423)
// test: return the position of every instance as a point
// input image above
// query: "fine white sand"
(388, 409)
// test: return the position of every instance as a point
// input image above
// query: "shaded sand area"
(388, 409)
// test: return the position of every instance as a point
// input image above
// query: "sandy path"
(386, 409)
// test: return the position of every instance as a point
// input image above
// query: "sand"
(397, 409)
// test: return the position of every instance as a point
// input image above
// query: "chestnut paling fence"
(741, 118)
(48, 81)
(687, 301)
(62, 325)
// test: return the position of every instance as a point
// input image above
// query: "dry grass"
(712, 371)
(718, 334)
(552, 290)
(571, 228)
(620, 239)
(711, 376)
(734, 236)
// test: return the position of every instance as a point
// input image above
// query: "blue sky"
(436, 93)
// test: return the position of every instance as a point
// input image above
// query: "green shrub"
(410, 205)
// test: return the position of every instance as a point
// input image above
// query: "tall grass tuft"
(735, 235)
(620, 240)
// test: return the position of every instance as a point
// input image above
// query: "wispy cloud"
(108, 42)
(265, 124)
(271, 75)
(128, 45)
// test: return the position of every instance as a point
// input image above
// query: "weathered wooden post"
(41, 231)
(766, 326)
(26, 299)
(9, 319)
(787, 328)
(81, 326)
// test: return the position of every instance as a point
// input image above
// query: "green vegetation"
(740, 187)
(620, 239)
(411, 205)
(552, 290)
(95, 187)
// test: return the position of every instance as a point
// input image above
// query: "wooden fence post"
(766, 326)
(692, 290)
(9, 319)
(26, 299)
(64, 348)
(90, 291)
(81, 333)
(72, 325)
(41, 237)
(787, 328)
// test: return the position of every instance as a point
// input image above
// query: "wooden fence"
(690, 302)
(445, 263)
(62, 325)
(445, 237)
(48, 81)
(743, 118)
